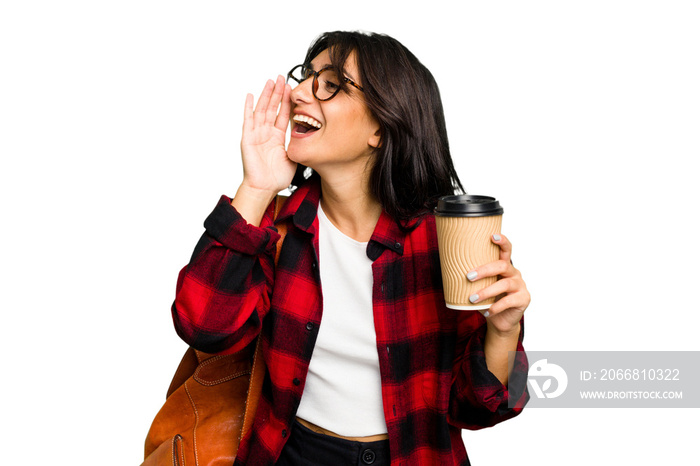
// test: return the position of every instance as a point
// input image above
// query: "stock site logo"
(540, 377)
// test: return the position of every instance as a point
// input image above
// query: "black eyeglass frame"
(315, 84)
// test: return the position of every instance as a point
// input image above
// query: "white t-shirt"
(343, 391)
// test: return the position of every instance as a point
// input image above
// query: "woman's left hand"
(505, 314)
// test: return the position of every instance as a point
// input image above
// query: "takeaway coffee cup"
(465, 225)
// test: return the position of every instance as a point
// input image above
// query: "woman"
(392, 375)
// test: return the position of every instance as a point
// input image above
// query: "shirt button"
(368, 456)
(284, 433)
(397, 245)
(296, 382)
(309, 326)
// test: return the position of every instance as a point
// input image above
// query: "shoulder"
(422, 235)
(421, 225)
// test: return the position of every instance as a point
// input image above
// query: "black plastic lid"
(465, 205)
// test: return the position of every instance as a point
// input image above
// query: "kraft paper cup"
(465, 225)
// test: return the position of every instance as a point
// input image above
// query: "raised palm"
(266, 166)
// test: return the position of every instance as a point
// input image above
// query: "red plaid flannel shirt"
(433, 372)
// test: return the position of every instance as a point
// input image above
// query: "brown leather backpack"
(210, 405)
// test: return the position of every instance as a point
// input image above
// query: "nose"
(303, 92)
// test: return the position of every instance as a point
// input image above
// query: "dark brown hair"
(412, 167)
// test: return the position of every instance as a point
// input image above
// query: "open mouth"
(305, 124)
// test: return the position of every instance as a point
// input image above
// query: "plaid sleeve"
(223, 294)
(478, 398)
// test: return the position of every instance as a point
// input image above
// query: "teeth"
(307, 120)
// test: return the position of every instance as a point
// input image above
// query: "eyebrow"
(348, 75)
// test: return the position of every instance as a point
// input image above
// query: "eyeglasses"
(326, 83)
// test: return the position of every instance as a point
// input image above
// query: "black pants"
(308, 448)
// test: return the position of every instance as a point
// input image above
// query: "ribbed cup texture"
(465, 243)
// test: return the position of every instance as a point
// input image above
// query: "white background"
(119, 129)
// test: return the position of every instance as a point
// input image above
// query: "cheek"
(350, 137)
(358, 124)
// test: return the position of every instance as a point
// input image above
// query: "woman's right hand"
(266, 167)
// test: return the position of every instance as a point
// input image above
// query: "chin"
(297, 155)
(292, 155)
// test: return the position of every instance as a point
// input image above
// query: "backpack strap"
(258, 371)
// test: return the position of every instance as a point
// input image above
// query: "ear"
(375, 140)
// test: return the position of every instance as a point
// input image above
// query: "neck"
(350, 207)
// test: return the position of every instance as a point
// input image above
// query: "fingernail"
(486, 313)
(497, 237)
(472, 275)
(473, 298)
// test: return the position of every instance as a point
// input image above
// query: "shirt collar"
(302, 207)
(387, 235)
